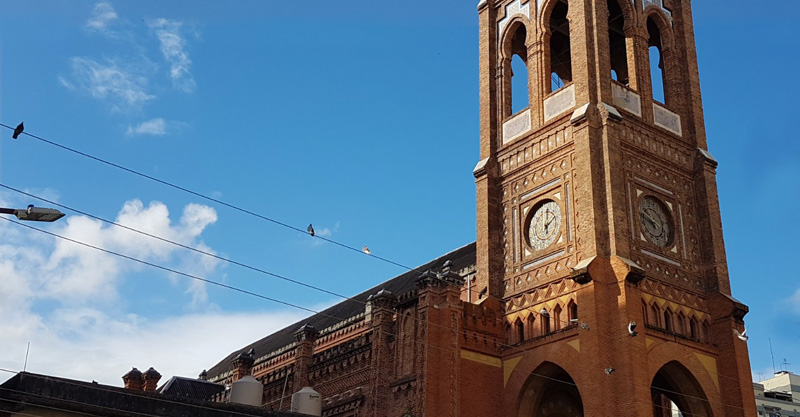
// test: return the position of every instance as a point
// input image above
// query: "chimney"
(133, 380)
(150, 378)
(243, 364)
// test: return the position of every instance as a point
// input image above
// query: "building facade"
(598, 282)
(778, 396)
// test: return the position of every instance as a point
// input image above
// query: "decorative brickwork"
(598, 283)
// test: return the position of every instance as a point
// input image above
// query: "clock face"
(545, 225)
(655, 221)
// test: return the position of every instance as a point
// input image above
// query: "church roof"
(462, 257)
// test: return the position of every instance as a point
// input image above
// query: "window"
(655, 316)
(545, 322)
(557, 318)
(693, 330)
(560, 53)
(519, 329)
(657, 73)
(573, 312)
(617, 43)
(668, 319)
(531, 327)
(680, 324)
(519, 71)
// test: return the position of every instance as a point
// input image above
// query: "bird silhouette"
(483, 292)
(310, 230)
(18, 130)
(609, 371)
(742, 336)
(366, 250)
(632, 329)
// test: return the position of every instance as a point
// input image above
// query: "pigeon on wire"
(483, 292)
(18, 130)
(742, 336)
(310, 230)
(632, 329)
(366, 250)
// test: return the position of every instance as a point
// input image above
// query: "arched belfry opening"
(658, 76)
(518, 53)
(550, 391)
(560, 57)
(675, 390)
(618, 50)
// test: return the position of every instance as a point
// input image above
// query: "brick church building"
(598, 283)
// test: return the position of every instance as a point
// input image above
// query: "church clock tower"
(599, 228)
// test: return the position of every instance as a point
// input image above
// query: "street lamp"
(34, 214)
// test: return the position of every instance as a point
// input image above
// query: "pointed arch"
(531, 325)
(680, 324)
(519, 331)
(572, 311)
(655, 315)
(550, 387)
(675, 384)
(557, 316)
(668, 320)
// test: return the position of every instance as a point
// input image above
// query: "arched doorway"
(675, 392)
(550, 392)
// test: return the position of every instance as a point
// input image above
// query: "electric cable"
(207, 197)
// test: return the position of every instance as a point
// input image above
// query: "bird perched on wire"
(310, 230)
(483, 292)
(366, 250)
(18, 130)
(742, 336)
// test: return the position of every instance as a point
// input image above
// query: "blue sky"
(359, 117)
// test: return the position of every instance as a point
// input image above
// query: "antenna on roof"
(772, 355)
(25, 366)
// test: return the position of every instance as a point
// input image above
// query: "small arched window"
(655, 316)
(617, 43)
(557, 318)
(519, 71)
(668, 319)
(680, 324)
(531, 326)
(545, 322)
(657, 73)
(572, 307)
(560, 70)
(693, 329)
(706, 332)
(509, 334)
(519, 330)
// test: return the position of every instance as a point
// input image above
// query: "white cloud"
(154, 127)
(794, 301)
(65, 299)
(88, 344)
(122, 86)
(173, 48)
(103, 15)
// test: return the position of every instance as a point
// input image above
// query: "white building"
(778, 396)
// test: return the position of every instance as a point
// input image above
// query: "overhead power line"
(363, 250)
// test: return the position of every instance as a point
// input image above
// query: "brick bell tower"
(599, 227)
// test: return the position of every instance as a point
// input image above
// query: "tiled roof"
(27, 393)
(462, 257)
(191, 388)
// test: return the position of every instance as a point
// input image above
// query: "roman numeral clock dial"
(655, 222)
(545, 225)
